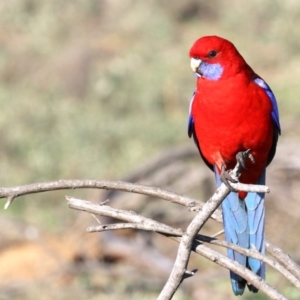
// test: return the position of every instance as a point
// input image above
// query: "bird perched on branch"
(234, 117)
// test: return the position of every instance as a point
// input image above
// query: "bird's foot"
(242, 157)
(226, 178)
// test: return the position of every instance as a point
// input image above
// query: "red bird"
(233, 114)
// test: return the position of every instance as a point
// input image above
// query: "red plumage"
(233, 113)
(234, 110)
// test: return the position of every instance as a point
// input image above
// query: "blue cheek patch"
(211, 71)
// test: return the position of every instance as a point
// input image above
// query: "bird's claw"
(226, 179)
(242, 157)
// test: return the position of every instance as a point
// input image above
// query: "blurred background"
(100, 90)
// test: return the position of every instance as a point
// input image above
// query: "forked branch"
(139, 222)
(189, 240)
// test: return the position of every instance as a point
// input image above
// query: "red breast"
(233, 115)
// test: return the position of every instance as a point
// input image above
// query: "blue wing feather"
(191, 119)
(192, 133)
(275, 113)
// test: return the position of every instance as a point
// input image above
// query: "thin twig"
(124, 215)
(247, 252)
(185, 246)
(255, 254)
(97, 220)
(227, 263)
(206, 252)
(148, 227)
(218, 233)
(14, 192)
(41, 187)
(284, 259)
(9, 201)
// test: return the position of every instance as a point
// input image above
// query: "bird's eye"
(212, 53)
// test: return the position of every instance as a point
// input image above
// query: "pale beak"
(195, 63)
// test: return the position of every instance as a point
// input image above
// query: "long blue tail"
(244, 226)
(255, 203)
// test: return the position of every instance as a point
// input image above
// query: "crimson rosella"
(234, 115)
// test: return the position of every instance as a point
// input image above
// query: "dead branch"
(202, 238)
(284, 259)
(147, 227)
(13, 192)
(149, 224)
(185, 247)
(188, 240)
(224, 261)
(277, 265)
(124, 215)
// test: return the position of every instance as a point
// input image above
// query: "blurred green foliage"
(91, 89)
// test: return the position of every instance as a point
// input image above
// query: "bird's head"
(213, 57)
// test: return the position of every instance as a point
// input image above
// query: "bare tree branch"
(256, 254)
(202, 238)
(148, 224)
(188, 240)
(284, 259)
(185, 246)
(14, 192)
(148, 227)
(227, 263)
(218, 233)
(128, 216)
